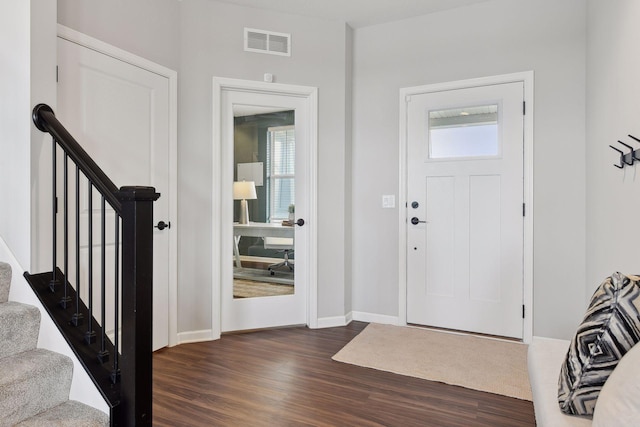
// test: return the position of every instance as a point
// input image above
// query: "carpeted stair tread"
(5, 281)
(19, 327)
(33, 382)
(68, 414)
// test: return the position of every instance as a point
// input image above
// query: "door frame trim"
(82, 39)
(310, 95)
(527, 78)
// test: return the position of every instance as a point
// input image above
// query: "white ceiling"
(356, 13)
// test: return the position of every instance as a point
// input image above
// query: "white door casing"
(252, 313)
(468, 266)
(122, 109)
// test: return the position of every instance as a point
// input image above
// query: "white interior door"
(465, 209)
(243, 313)
(119, 113)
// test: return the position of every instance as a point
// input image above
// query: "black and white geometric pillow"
(609, 329)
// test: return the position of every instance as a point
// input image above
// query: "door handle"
(416, 221)
(300, 222)
(162, 225)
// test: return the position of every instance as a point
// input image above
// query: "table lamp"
(243, 191)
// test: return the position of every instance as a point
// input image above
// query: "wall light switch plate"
(388, 201)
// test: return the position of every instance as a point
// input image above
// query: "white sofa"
(544, 359)
(618, 404)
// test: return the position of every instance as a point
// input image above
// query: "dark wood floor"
(285, 377)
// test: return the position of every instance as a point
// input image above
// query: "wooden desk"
(258, 229)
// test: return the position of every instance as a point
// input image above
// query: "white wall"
(203, 39)
(43, 90)
(27, 50)
(27, 55)
(15, 107)
(495, 37)
(212, 45)
(348, 190)
(613, 112)
(147, 28)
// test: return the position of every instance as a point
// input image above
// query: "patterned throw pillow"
(609, 329)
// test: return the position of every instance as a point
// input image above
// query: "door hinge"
(524, 108)
(524, 209)
(56, 74)
(56, 206)
(523, 311)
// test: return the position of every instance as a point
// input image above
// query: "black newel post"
(137, 303)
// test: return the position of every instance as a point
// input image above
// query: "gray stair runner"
(34, 382)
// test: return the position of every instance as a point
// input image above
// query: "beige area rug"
(252, 289)
(484, 364)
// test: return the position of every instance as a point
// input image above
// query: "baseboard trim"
(323, 322)
(332, 322)
(361, 316)
(195, 336)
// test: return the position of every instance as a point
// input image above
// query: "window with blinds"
(281, 160)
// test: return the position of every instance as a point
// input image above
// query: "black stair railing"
(104, 308)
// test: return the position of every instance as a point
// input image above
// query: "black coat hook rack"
(628, 156)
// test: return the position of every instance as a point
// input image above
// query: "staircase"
(34, 382)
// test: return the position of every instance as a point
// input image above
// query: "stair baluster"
(66, 299)
(76, 319)
(103, 354)
(90, 334)
(115, 372)
(54, 203)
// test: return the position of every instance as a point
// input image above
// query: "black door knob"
(416, 221)
(162, 225)
(300, 222)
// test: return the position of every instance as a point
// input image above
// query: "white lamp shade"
(244, 190)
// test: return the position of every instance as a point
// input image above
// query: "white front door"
(243, 312)
(465, 209)
(119, 113)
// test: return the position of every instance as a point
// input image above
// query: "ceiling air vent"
(267, 42)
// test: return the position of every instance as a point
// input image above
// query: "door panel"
(484, 238)
(465, 170)
(273, 308)
(119, 114)
(440, 241)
